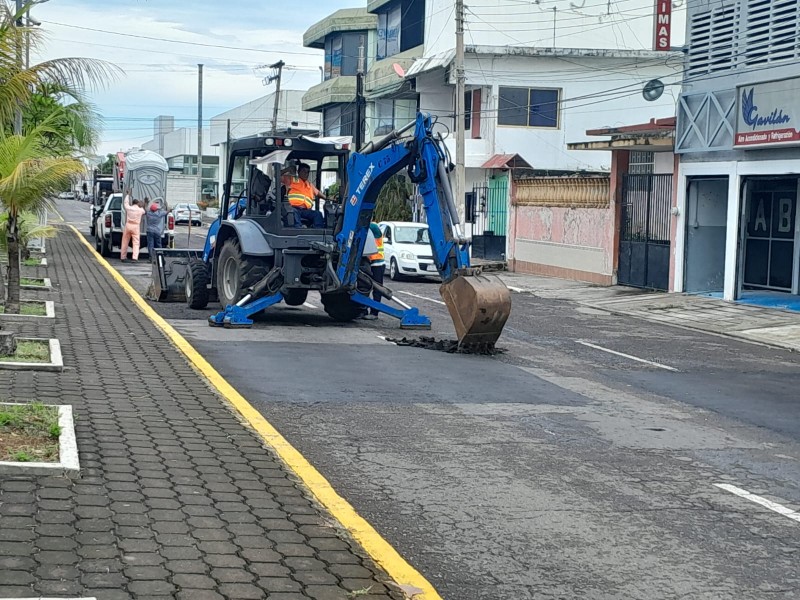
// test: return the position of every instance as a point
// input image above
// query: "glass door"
(769, 240)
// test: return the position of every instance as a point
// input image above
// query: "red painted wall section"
(579, 242)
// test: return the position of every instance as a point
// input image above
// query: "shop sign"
(663, 25)
(767, 114)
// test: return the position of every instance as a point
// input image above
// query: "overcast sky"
(160, 76)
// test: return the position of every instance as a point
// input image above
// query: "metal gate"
(489, 211)
(644, 242)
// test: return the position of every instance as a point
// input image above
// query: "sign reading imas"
(768, 113)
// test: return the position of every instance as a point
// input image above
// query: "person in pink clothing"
(133, 219)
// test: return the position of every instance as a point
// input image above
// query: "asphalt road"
(555, 470)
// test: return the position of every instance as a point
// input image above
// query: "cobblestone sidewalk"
(177, 498)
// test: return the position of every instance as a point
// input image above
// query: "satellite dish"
(401, 72)
(653, 90)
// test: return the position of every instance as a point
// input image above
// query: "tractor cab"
(261, 173)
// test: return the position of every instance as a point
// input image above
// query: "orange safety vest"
(379, 256)
(301, 193)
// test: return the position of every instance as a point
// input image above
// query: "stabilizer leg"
(238, 317)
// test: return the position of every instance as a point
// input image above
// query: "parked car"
(188, 212)
(108, 228)
(407, 247)
(66, 196)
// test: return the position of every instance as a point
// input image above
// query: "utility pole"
(460, 183)
(18, 24)
(277, 70)
(199, 141)
(200, 125)
(359, 132)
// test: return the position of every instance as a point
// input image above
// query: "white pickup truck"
(108, 228)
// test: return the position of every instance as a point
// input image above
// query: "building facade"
(524, 101)
(254, 118)
(737, 136)
(179, 148)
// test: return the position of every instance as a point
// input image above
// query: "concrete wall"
(183, 141)
(569, 238)
(572, 243)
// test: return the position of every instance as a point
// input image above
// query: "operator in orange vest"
(301, 194)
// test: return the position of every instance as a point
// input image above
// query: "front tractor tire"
(341, 308)
(295, 297)
(197, 280)
(237, 272)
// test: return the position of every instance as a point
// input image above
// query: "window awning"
(431, 63)
(506, 161)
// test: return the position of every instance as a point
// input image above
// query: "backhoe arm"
(478, 305)
(369, 171)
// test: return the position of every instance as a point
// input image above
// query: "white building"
(525, 98)
(255, 118)
(179, 148)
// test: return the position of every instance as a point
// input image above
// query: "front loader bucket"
(170, 269)
(479, 306)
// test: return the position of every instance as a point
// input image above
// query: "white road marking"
(421, 297)
(515, 289)
(773, 506)
(308, 305)
(628, 356)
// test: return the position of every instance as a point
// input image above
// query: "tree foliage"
(29, 177)
(108, 164)
(393, 202)
(58, 123)
(73, 122)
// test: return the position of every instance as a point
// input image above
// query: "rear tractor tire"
(237, 272)
(197, 285)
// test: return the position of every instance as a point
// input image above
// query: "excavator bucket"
(170, 268)
(479, 306)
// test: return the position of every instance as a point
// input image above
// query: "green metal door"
(491, 242)
(497, 204)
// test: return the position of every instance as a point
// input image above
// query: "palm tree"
(29, 177)
(18, 84)
(74, 120)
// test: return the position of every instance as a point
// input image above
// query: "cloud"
(161, 77)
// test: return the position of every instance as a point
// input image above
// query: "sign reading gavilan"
(768, 114)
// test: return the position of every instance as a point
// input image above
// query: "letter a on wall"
(761, 219)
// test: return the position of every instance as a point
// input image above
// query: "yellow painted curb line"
(370, 540)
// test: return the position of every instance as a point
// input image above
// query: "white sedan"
(66, 196)
(408, 251)
(188, 212)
